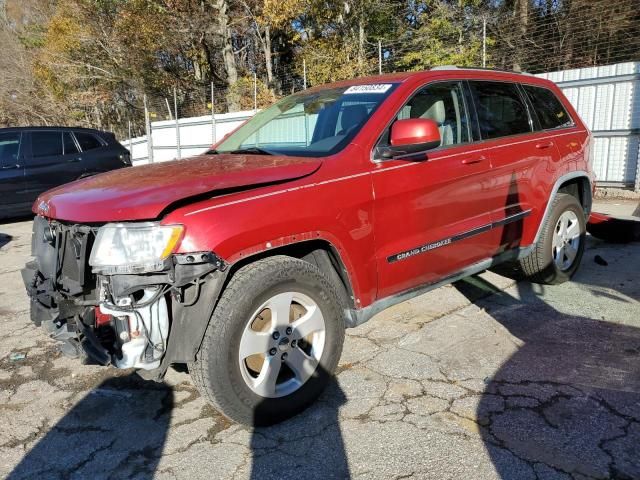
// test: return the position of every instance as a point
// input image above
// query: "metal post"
(175, 108)
(484, 42)
(148, 130)
(168, 108)
(379, 57)
(304, 73)
(255, 93)
(213, 119)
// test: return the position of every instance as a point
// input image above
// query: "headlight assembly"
(133, 247)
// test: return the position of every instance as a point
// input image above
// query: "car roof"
(50, 129)
(441, 72)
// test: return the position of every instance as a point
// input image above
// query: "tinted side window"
(69, 145)
(501, 110)
(46, 143)
(9, 149)
(87, 141)
(549, 109)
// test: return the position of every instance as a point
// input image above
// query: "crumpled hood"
(143, 192)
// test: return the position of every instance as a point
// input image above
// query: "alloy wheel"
(566, 240)
(281, 344)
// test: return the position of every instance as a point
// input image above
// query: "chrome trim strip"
(511, 218)
(396, 257)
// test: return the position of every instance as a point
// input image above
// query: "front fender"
(338, 211)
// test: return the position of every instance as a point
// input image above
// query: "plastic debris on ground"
(600, 261)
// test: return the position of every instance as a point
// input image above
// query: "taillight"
(126, 158)
(591, 151)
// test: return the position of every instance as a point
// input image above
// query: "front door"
(432, 215)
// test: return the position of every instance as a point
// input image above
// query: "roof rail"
(455, 67)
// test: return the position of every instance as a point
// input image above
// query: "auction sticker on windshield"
(372, 88)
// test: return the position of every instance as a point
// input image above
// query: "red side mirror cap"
(413, 135)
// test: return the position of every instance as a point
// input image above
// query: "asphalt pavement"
(487, 379)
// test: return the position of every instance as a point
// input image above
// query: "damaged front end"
(117, 295)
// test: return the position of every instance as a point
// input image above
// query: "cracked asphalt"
(486, 379)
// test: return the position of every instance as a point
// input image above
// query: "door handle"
(542, 146)
(77, 159)
(471, 161)
(10, 167)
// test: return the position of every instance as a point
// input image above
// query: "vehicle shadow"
(567, 403)
(309, 445)
(118, 430)
(17, 219)
(5, 239)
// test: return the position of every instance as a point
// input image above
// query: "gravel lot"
(484, 379)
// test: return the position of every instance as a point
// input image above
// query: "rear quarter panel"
(573, 145)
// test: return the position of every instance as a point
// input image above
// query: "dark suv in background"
(36, 159)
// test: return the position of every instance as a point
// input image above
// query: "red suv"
(248, 262)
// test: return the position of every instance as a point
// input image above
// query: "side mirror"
(412, 135)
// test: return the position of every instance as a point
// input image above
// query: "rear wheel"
(273, 341)
(556, 257)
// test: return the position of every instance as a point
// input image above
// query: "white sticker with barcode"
(371, 88)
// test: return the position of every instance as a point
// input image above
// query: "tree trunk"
(522, 13)
(361, 39)
(233, 102)
(266, 46)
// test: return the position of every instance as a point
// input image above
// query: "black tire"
(538, 266)
(216, 371)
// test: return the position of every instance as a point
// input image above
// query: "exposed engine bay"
(124, 320)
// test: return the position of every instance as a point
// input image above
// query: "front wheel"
(273, 342)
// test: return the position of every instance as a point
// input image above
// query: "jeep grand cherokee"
(248, 262)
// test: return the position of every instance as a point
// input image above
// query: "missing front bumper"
(152, 320)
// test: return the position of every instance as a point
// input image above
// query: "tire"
(228, 382)
(540, 266)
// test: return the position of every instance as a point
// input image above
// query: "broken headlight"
(122, 248)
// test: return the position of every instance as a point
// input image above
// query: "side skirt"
(358, 317)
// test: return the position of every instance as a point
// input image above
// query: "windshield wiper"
(251, 150)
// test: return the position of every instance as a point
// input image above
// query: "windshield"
(313, 124)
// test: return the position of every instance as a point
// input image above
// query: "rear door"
(552, 118)
(432, 215)
(47, 165)
(97, 156)
(12, 185)
(518, 154)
